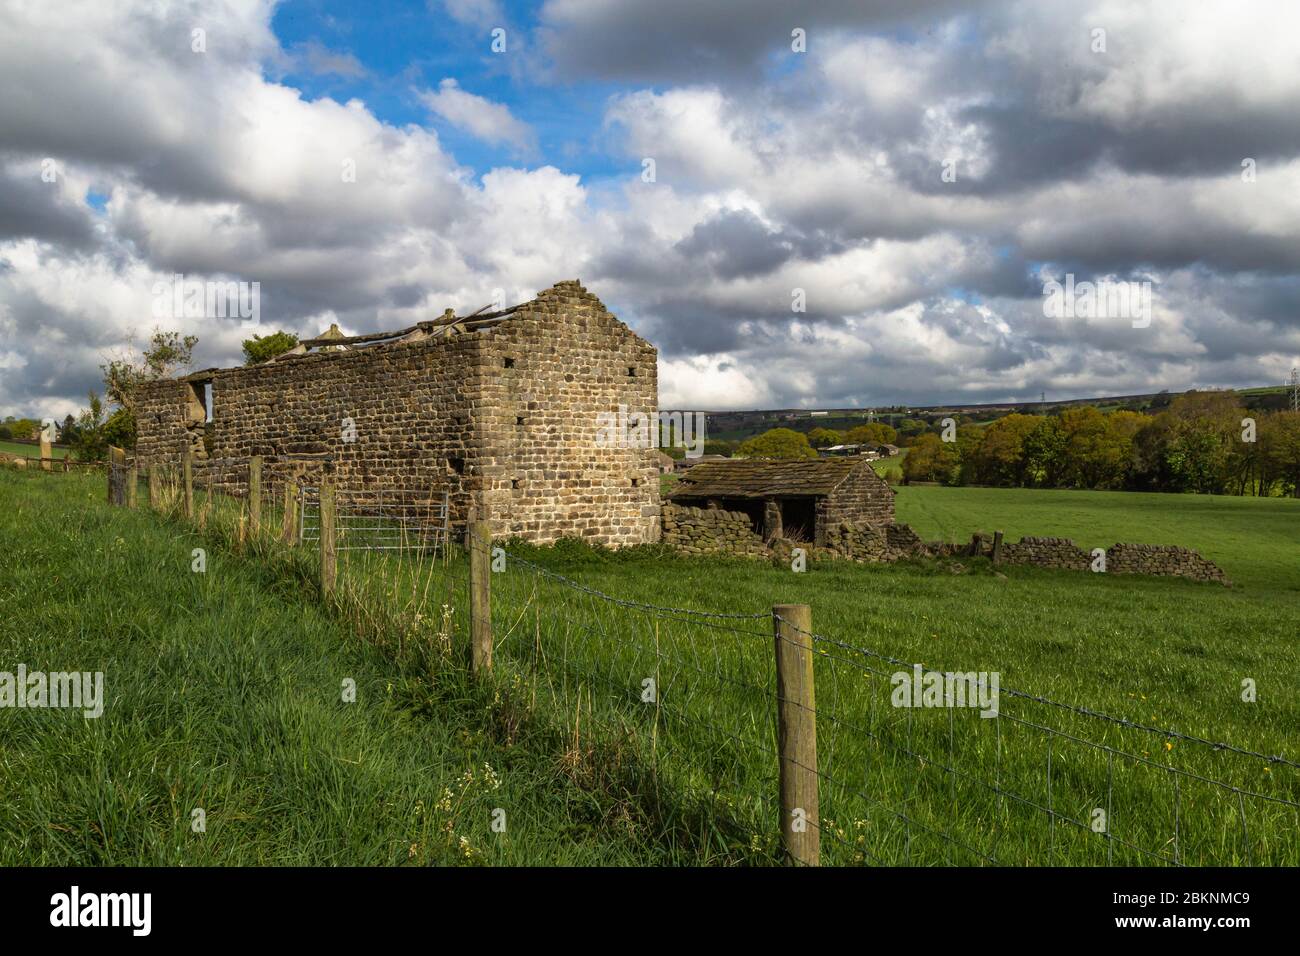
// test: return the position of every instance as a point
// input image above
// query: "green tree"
(1202, 451)
(1098, 448)
(90, 443)
(1044, 454)
(824, 437)
(1279, 440)
(911, 427)
(24, 429)
(999, 458)
(167, 353)
(931, 459)
(68, 431)
(262, 347)
(777, 443)
(872, 433)
(119, 429)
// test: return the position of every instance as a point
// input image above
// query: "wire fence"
(914, 765)
(698, 714)
(640, 685)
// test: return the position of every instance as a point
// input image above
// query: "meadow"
(686, 773)
(24, 450)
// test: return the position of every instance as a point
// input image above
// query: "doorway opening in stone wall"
(199, 416)
(798, 518)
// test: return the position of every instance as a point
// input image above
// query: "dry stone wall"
(1162, 559)
(717, 531)
(711, 531)
(1046, 553)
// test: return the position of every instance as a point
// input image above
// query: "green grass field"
(689, 776)
(224, 692)
(31, 451)
(1255, 540)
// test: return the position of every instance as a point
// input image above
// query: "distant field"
(894, 465)
(1255, 540)
(31, 451)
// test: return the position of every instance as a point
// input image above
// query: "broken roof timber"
(475, 320)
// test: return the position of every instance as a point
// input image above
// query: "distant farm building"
(842, 451)
(800, 500)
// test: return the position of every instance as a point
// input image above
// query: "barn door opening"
(799, 518)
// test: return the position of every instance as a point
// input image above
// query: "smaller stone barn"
(800, 500)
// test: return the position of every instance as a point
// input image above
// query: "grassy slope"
(1165, 652)
(223, 692)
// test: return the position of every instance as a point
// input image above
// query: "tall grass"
(224, 693)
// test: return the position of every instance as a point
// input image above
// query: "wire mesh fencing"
(699, 713)
(378, 519)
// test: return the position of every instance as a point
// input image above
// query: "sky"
(852, 203)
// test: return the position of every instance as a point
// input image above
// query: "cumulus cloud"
(814, 178)
(321, 60)
(480, 117)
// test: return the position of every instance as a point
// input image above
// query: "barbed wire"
(1039, 699)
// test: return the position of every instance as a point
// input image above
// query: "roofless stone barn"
(800, 500)
(501, 410)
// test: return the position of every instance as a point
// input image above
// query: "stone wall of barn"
(170, 416)
(863, 498)
(559, 456)
(506, 419)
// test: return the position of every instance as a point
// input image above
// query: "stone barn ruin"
(499, 410)
(801, 500)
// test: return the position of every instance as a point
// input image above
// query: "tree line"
(1205, 442)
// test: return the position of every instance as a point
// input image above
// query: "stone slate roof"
(761, 478)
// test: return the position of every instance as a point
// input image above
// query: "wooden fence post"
(155, 485)
(255, 492)
(187, 477)
(288, 529)
(328, 554)
(997, 546)
(797, 733)
(480, 596)
(132, 483)
(116, 475)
